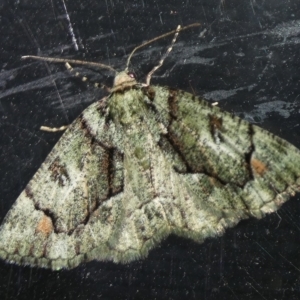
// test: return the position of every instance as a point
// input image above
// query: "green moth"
(141, 164)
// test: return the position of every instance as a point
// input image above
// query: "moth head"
(124, 80)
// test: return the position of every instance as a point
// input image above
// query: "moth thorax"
(124, 80)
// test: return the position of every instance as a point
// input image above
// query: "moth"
(141, 164)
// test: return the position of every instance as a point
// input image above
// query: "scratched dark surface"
(245, 56)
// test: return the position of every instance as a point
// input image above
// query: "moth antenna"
(158, 38)
(148, 78)
(72, 61)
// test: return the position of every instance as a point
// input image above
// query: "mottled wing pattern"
(53, 222)
(143, 164)
(233, 169)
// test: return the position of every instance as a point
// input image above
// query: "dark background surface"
(245, 56)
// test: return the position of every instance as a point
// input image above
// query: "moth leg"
(148, 78)
(54, 129)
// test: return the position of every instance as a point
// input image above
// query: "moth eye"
(131, 75)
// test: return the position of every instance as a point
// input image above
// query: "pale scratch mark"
(254, 282)
(221, 257)
(289, 218)
(30, 133)
(280, 219)
(204, 13)
(52, 6)
(29, 33)
(107, 51)
(289, 262)
(221, 7)
(257, 291)
(160, 18)
(265, 250)
(202, 33)
(251, 4)
(252, 278)
(8, 283)
(59, 97)
(74, 41)
(222, 4)
(52, 79)
(227, 285)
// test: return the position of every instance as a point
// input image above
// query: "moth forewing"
(146, 162)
